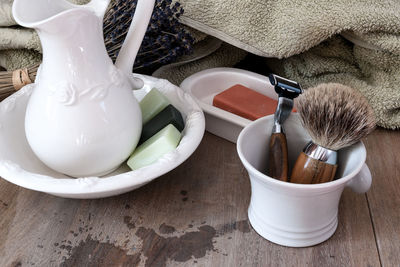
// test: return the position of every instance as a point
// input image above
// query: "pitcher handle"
(362, 181)
(137, 30)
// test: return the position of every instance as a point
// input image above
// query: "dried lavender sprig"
(165, 38)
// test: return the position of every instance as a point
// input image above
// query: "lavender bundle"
(165, 38)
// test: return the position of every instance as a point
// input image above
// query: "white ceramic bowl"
(19, 165)
(204, 85)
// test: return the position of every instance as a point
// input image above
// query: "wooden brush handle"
(278, 157)
(312, 171)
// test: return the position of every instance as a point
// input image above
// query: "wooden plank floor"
(197, 215)
(384, 197)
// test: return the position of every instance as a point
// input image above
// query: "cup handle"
(134, 38)
(362, 181)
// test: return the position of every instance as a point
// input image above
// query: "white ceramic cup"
(296, 215)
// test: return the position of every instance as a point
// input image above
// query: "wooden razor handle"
(312, 171)
(278, 157)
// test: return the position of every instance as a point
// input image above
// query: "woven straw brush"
(11, 81)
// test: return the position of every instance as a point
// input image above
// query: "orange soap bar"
(245, 102)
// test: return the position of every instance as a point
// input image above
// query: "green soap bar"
(159, 144)
(152, 104)
(169, 115)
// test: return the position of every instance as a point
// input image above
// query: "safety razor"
(287, 91)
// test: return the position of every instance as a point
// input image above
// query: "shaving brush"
(335, 116)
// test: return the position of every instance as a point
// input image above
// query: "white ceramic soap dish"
(204, 85)
(19, 165)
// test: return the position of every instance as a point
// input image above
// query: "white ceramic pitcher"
(82, 118)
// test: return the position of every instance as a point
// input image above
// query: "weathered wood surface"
(384, 196)
(197, 215)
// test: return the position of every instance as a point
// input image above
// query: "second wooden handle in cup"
(312, 171)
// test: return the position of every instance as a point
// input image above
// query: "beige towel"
(282, 28)
(375, 73)
(289, 28)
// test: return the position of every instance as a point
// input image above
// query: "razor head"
(285, 87)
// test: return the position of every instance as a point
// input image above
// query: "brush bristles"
(335, 115)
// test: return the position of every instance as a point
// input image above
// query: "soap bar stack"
(161, 133)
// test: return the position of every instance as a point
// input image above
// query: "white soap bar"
(155, 147)
(152, 104)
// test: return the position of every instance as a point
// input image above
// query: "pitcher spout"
(72, 40)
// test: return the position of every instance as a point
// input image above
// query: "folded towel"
(374, 72)
(19, 47)
(6, 18)
(305, 35)
(282, 28)
(12, 59)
